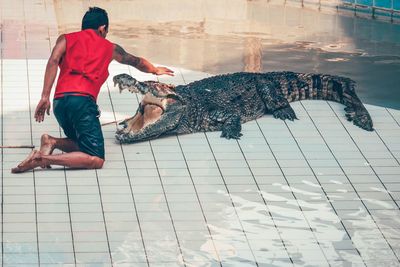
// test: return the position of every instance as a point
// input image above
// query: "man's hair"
(94, 18)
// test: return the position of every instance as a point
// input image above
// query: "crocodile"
(224, 102)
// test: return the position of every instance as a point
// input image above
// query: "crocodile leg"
(232, 127)
(277, 104)
(286, 113)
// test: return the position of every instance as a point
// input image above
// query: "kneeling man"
(83, 58)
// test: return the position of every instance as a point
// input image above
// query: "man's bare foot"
(32, 161)
(47, 146)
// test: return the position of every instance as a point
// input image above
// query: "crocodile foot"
(286, 113)
(232, 128)
(231, 134)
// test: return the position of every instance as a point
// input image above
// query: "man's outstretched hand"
(42, 107)
(164, 70)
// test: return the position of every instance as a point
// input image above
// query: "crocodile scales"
(224, 102)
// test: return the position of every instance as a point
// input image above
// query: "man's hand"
(163, 70)
(49, 77)
(42, 107)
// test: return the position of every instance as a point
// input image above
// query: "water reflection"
(273, 234)
(287, 232)
(253, 36)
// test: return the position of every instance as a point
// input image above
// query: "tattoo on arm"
(123, 57)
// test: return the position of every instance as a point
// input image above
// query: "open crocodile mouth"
(156, 100)
(152, 106)
(147, 114)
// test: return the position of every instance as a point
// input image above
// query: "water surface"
(255, 36)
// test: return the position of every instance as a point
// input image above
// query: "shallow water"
(255, 36)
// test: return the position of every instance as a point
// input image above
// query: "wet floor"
(315, 192)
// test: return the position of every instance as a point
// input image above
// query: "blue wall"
(396, 4)
(389, 4)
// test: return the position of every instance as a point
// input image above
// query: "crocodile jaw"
(125, 81)
(149, 114)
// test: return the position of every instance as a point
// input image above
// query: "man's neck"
(98, 33)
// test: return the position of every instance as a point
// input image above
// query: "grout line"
(372, 168)
(69, 212)
(199, 201)
(104, 217)
(391, 115)
(2, 138)
(345, 174)
(166, 202)
(181, 74)
(259, 190)
(384, 186)
(69, 207)
(64, 168)
(294, 196)
(316, 177)
(195, 189)
(129, 180)
(31, 132)
(230, 197)
(387, 147)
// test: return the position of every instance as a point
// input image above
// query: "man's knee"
(96, 162)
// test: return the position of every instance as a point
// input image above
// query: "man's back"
(84, 67)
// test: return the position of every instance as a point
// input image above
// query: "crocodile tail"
(303, 86)
(337, 89)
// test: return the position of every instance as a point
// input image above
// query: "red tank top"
(84, 67)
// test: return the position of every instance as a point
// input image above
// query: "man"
(83, 58)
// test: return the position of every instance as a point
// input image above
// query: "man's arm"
(49, 77)
(120, 55)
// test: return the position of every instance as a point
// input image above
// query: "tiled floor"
(314, 192)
